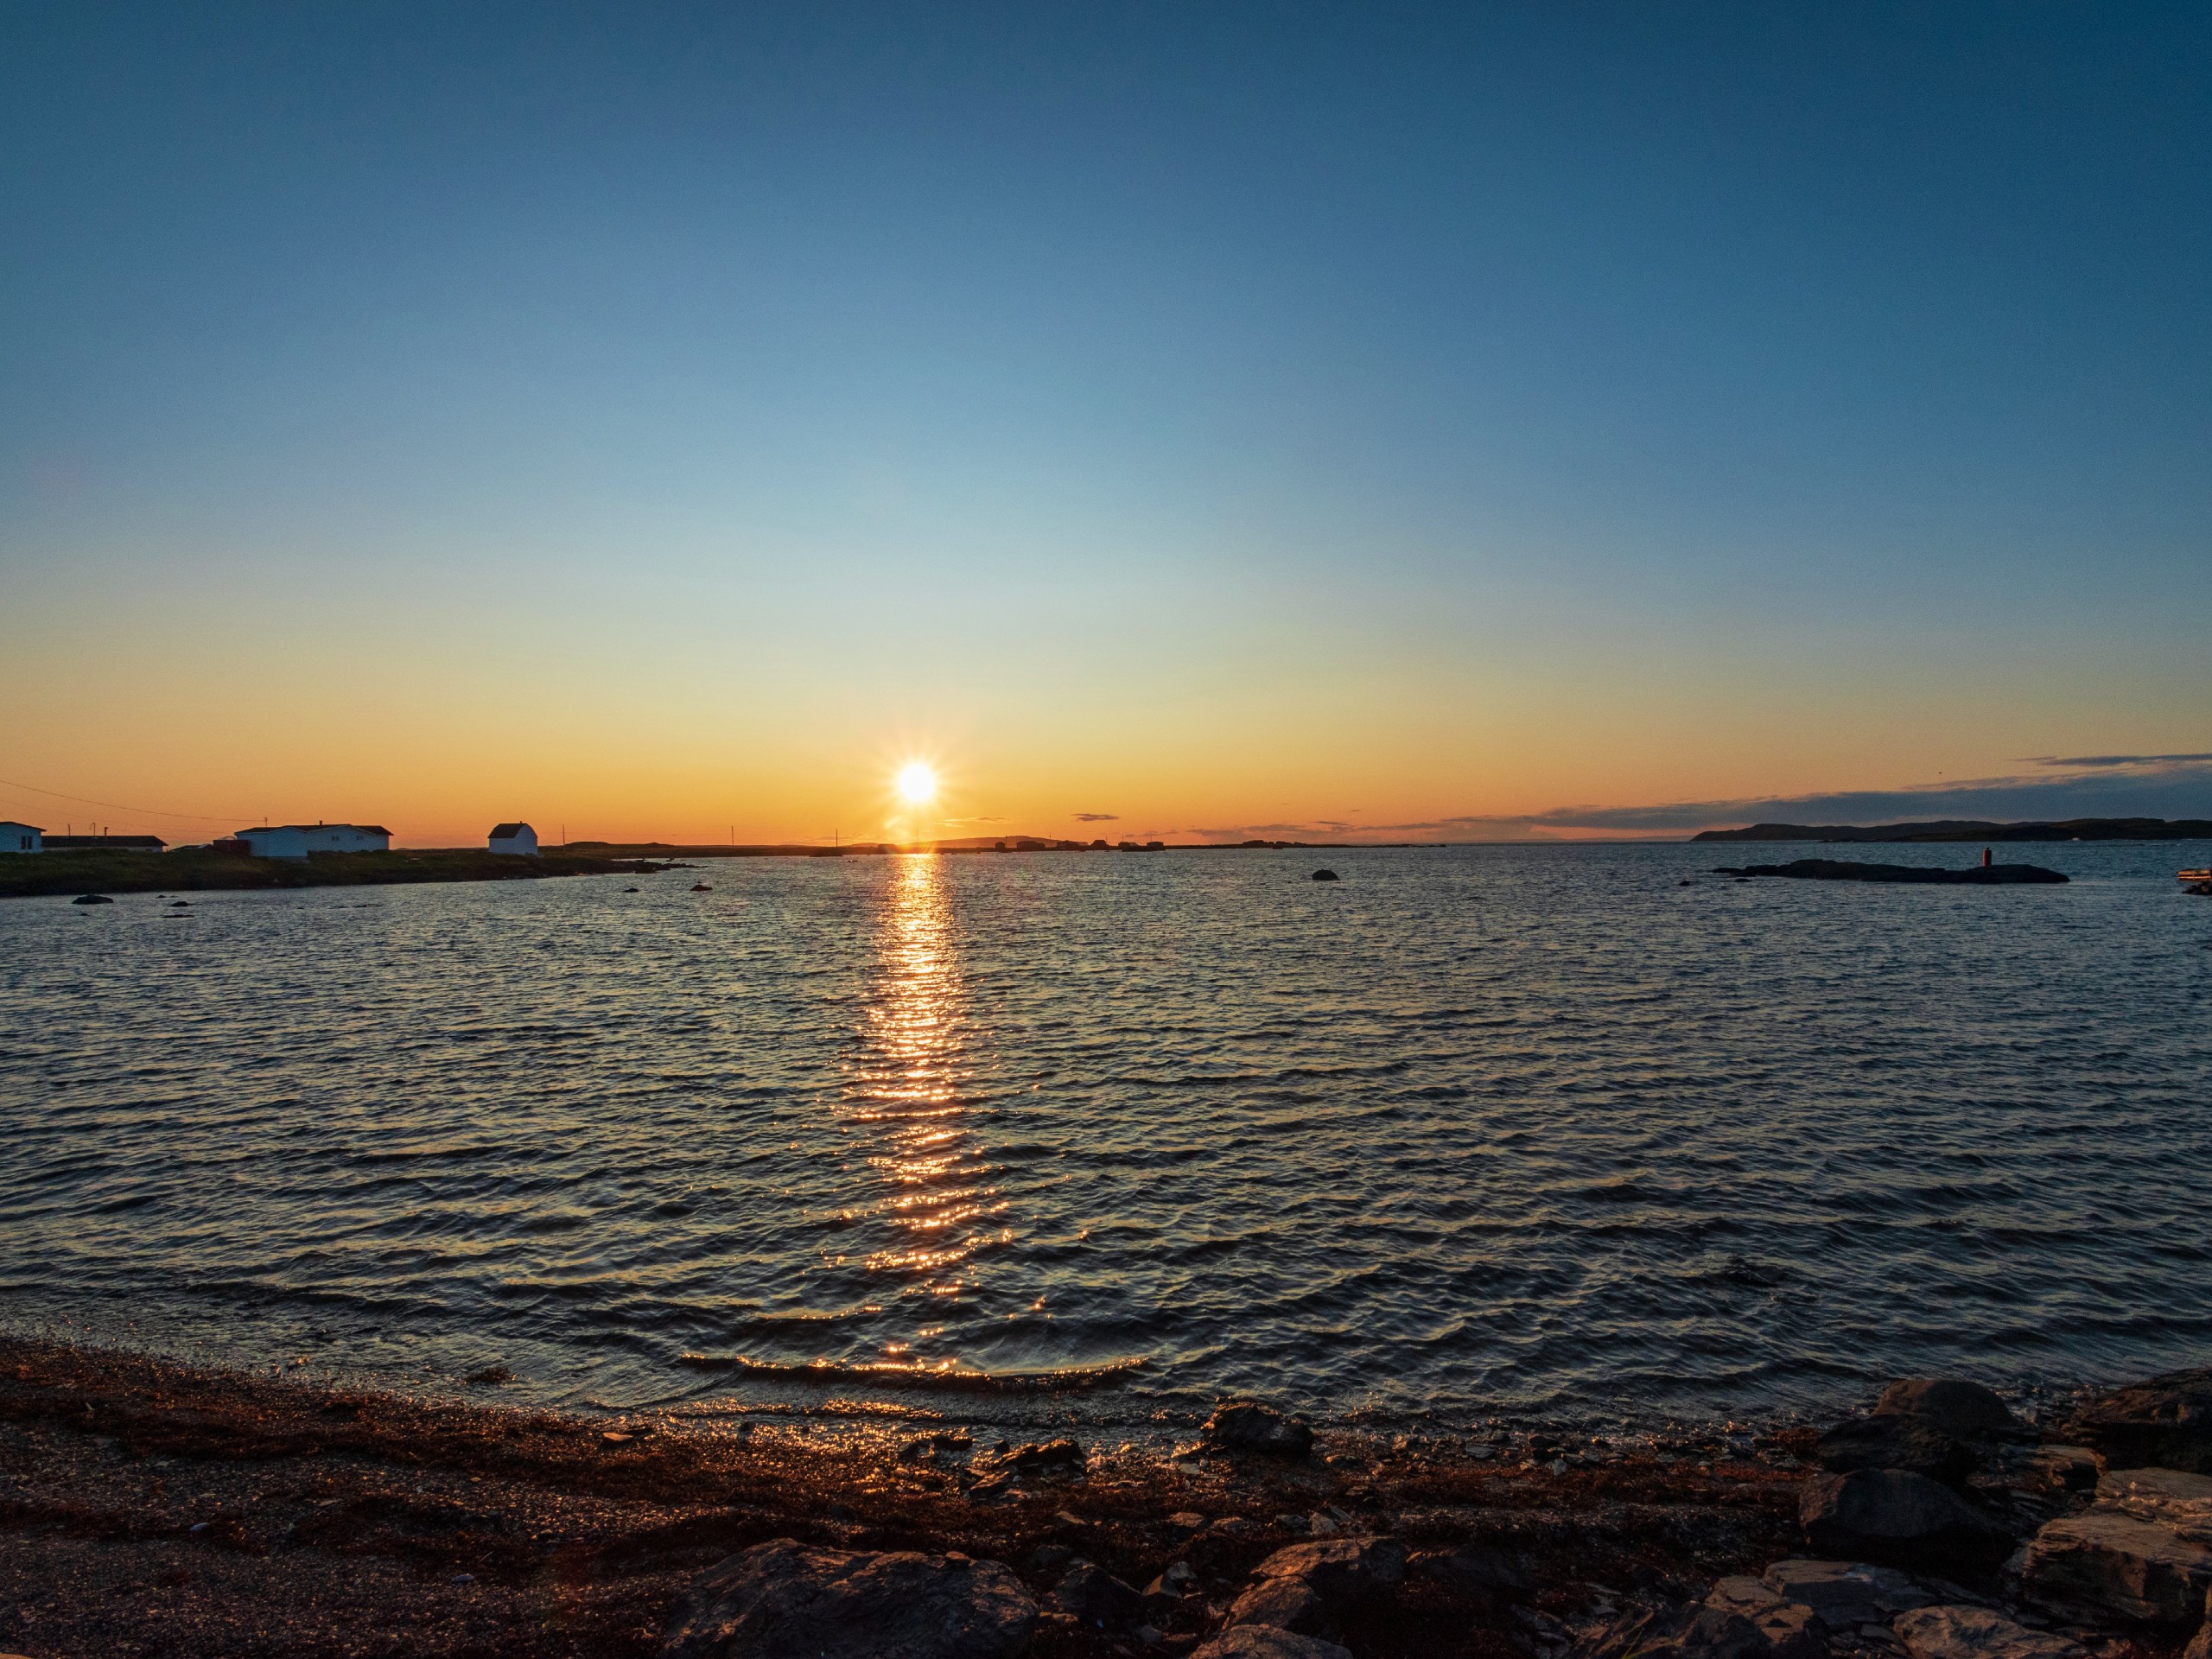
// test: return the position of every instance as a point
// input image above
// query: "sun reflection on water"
(907, 1090)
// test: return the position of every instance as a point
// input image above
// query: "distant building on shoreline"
(298, 840)
(105, 844)
(518, 840)
(21, 837)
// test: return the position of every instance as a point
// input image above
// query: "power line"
(151, 811)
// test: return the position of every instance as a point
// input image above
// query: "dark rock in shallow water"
(1247, 1426)
(1950, 1406)
(1841, 869)
(1035, 1458)
(1894, 1441)
(2166, 1423)
(784, 1600)
(1891, 1515)
(1324, 875)
(92, 899)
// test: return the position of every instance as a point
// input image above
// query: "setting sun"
(917, 783)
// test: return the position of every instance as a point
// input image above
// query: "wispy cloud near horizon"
(2101, 786)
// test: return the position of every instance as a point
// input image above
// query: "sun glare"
(917, 783)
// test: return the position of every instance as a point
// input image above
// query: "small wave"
(948, 1378)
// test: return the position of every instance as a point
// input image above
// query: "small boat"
(2197, 881)
(2196, 875)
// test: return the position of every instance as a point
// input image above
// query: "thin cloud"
(2160, 761)
(1098, 817)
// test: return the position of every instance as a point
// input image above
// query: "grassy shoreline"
(197, 870)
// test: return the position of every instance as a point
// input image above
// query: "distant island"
(1971, 829)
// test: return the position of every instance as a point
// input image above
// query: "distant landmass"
(1969, 830)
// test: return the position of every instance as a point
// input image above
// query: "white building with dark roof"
(21, 837)
(298, 840)
(518, 839)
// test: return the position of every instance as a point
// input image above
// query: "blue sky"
(1435, 413)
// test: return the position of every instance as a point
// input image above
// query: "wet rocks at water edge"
(2164, 1422)
(785, 1600)
(1247, 1426)
(1950, 1405)
(1894, 1442)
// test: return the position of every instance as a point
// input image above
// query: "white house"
(298, 840)
(516, 838)
(21, 837)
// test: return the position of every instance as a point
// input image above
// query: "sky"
(1164, 420)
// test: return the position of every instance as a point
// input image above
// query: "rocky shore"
(149, 1508)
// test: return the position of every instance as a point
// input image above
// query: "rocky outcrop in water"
(1247, 1426)
(1840, 869)
(1950, 1406)
(785, 1600)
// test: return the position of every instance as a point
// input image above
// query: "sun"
(917, 783)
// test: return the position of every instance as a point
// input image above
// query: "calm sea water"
(1541, 1131)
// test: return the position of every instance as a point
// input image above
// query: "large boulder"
(2104, 1566)
(1286, 1604)
(1310, 1586)
(1895, 1441)
(1890, 1515)
(1846, 1594)
(1965, 1411)
(1341, 1570)
(2172, 1497)
(784, 1600)
(1247, 1426)
(1267, 1642)
(1977, 1633)
(2164, 1422)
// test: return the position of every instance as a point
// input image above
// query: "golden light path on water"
(907, 1095)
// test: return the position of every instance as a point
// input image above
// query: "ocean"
(1568, 1134)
